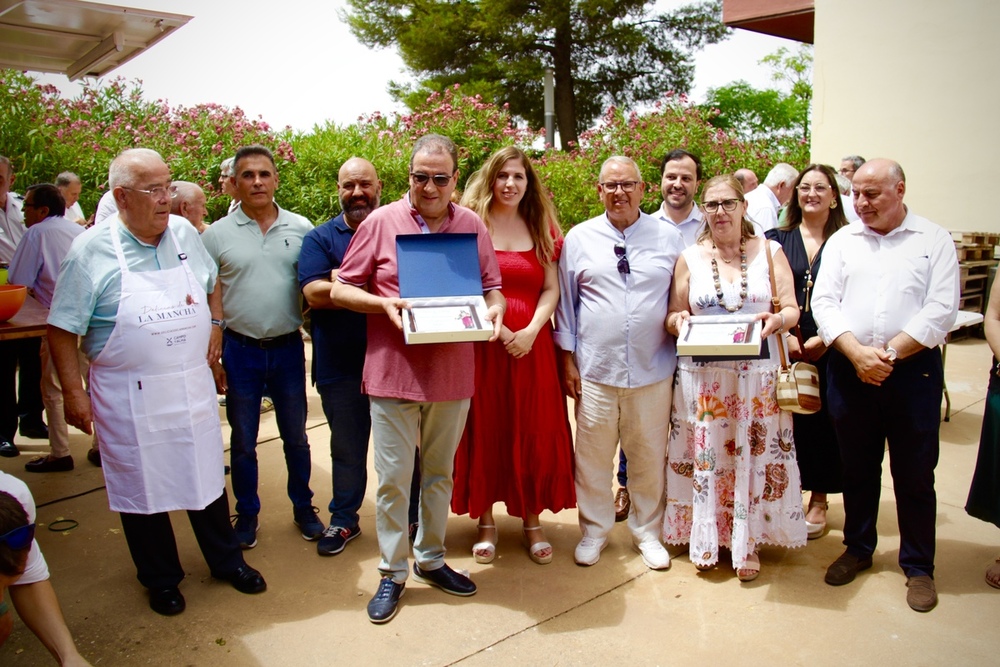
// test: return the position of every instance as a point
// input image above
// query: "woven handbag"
(797, 385)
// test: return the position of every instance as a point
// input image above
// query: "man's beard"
(356, 211)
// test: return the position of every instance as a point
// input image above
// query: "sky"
(301, 66)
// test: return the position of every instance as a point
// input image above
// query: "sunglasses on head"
(19, 538)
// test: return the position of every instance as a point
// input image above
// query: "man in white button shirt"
(764, 201)
(618, 360)
(680, 175)
(885, 300)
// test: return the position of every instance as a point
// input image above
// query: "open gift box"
(440, 278)
(720, 337)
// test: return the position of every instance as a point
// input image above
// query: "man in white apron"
(135, 289)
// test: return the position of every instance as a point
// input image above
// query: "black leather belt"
(264, 343)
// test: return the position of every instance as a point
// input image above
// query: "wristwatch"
(219, 323)
(892, 353)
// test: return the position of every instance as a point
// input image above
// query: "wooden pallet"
(971, 302)
(973, 283)
(976, 238)
(973, 253)
(976, 267)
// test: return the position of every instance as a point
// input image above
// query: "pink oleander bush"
(44, 134)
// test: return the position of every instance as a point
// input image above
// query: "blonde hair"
(746, 226)
(536, 206)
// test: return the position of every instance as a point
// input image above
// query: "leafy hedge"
(44, 134)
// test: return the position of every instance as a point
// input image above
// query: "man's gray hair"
(120, 171)
(226, 168)
(621, 159)
(5, 162)
(66, 178)
(843, 184)
(855, 160)
(186, 191)
(434, 144)
(781, 173)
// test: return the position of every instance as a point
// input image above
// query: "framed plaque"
(720, 336)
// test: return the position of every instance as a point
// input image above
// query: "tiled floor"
(616, 612)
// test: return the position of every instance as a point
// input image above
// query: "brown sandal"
(993, 574)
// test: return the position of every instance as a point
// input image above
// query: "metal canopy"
(76, 38)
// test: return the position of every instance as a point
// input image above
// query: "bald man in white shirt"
(885, 300)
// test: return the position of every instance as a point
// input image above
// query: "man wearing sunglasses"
(419, 394)
(25, 575)
(618, 361)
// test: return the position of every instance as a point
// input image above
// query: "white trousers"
(640, 419)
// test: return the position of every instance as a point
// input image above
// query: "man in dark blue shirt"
(339, 341)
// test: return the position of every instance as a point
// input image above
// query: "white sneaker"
(588, 551)
(653, 554)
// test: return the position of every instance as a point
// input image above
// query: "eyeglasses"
(19, 538)
(728, 205)
(626, 186)
(820, 189)
(421, 178)
(156, 193)
(623, 266)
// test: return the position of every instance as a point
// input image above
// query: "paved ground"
(615, 612)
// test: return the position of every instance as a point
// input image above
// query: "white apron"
(153, 395)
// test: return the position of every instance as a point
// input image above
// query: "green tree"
(795, 70)
(750, 113)
(602, 52)
(772, 114)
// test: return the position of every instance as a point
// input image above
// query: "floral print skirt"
(732, 479)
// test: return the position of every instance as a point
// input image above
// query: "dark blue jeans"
(906, 412)
(348, 414)
(282, 369)
(622, 468)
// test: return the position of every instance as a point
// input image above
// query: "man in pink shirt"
(419, 394)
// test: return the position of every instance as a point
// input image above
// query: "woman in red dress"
(517, 447)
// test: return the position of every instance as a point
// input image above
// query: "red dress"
(517, 446)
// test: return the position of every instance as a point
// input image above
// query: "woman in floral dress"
(732, 479)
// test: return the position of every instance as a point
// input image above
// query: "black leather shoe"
(94, 456)
(382, 607)
(46, 464)
(246, 580)
(844, 569)
(166, 601)
(8, 449)
(35, 430)
(446, 579)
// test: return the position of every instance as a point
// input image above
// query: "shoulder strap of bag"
(775, 303)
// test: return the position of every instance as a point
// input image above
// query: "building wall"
(917, 81)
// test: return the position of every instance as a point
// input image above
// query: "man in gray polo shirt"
(257, 314)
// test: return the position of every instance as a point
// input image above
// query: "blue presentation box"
(441, 280)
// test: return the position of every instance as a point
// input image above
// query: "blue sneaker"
(382, 607)
(246, 527)
(335, 538)
(308, 522)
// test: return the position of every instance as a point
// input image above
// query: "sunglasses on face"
(421, 178)
(19, 538)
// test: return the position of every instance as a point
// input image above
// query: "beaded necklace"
(743, 276)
